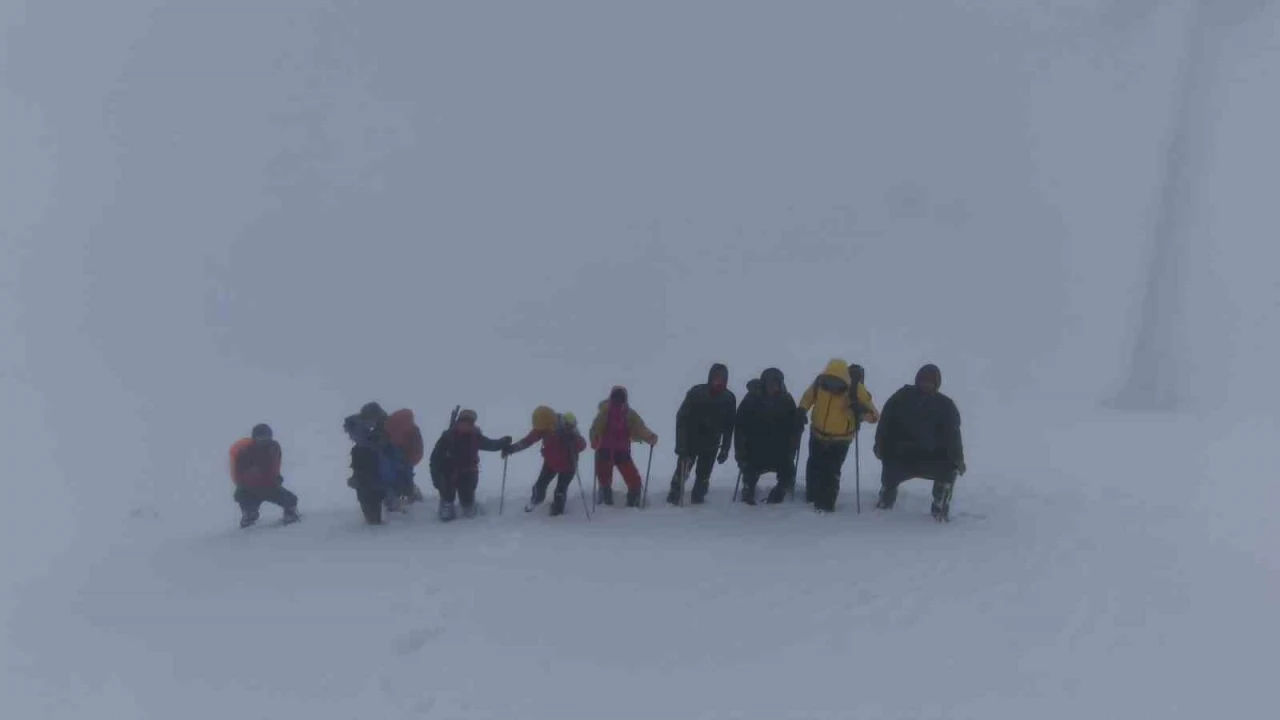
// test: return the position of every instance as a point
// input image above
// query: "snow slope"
(215, 215)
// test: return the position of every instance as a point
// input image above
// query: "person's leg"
(750, 478)
(370, 503)
(892, 474)
(702, 478)
(631, 476)
(467, 483)
(837, 453)
(604, 475)
(561, 496)
(812, 471)
(540, 485)
(249, 501)
(679, 478)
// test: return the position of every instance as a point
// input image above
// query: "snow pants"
(700, 465)
(563, 481)
(822, 472)
(459, 486)
(785, 467)
(895, 472)
(250, 499)
(607, 460)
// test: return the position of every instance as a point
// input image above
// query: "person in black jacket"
(704, 433)
(766, 437)
(919, 437)
(455, 463)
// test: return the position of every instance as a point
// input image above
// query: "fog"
(218, 215)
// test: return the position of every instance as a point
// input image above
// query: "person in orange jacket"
(255, 472)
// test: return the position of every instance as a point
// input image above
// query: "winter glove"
(961, 468)
(724, 456)
(506, 443)
(653, 440)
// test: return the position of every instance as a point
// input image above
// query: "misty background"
(214, 215)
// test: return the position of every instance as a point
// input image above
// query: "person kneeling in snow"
(615, 427)
(255, 471)
(767, 437)
(455, 464)
(919, 437)
(561, 445)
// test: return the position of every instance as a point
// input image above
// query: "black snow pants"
(700, 465)
(895, 472)
(784, 466)
(250, 499)
(370, 496)
(457, 486)
(822, 472)
(563, 481)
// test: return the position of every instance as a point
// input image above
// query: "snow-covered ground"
(213, 216)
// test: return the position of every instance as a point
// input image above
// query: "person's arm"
(488, 444)
(440, 454)
(868, 404)
(884, 428)
(740, 430)
(955, 442)
(597, 427)
(730, 420)
(807, 399)
(524, 443)
(276, 461)
(639, 431)
(682, 422)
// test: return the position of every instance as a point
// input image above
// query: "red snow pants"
(607, 460)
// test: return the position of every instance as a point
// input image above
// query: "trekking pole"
(735, 486)
(582, 491)
(857, 471)
(644, 499)
(502, 499)
(791, 493)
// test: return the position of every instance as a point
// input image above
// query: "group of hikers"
(917, 436)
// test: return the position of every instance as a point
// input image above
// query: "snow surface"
(217, 214)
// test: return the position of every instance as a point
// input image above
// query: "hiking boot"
(470, 509)
(606, 495)
(248, 517)
(888, 496)
(291, 516)
(557, 504)
(941, 508)
(675, 494)
(447, 511)
(699, 494)
(749, 494)
(633, 498)
(777, 495)
(539, 494)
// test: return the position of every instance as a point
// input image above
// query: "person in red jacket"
(561, 445)
(455, 464)
(255, 471)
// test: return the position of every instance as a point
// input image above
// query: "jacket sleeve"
(682, 421)
(730, 420)
(489, 444)
(440, 459)
(807, 399)
(884, 428)
(526, 441)
(740, 429)
(579, 443)
(597, 427)
(955, 443)
(635, 423)
(277, 460)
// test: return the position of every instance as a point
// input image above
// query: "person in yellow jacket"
(836, 404)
